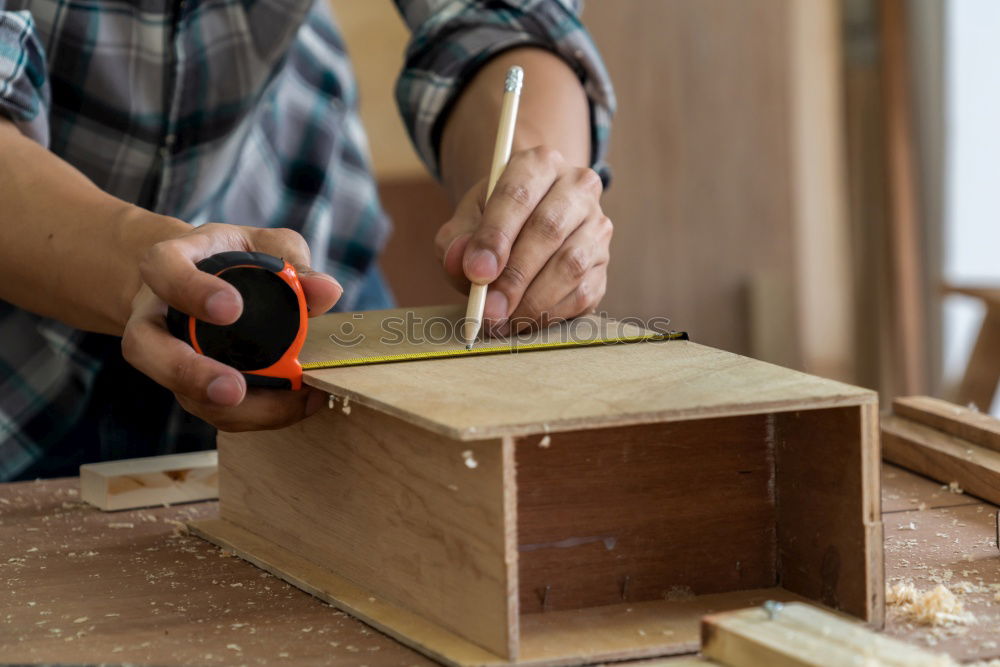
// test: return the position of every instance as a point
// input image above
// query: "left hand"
(541, 242)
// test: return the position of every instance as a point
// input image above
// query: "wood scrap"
(928, 440)
(150, 481)
(800, 634)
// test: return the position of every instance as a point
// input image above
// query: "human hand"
(541, 242)
(203, 386)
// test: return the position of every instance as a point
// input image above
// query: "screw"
(772, 607)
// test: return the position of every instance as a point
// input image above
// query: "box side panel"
(829, 518)
(658, 511)
(412, 517)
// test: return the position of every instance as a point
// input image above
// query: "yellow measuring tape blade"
(488, 349)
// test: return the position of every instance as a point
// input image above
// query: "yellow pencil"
(501, 154)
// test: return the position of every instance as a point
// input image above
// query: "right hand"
(203, 386)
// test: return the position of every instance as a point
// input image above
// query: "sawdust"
(935, 607)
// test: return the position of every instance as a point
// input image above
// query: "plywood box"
(564, 506)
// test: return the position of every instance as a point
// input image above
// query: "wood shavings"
(952, 487)
(470, 459)
(935, 607)
(330, 401)
(121, 525)
(545, 442)
(907, 526)
(346, 405)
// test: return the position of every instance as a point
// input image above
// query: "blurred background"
(809, 182)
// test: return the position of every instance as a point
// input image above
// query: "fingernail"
(483, 266)
(327, 277)
(495, 307)
(225, 390)
(224, 306)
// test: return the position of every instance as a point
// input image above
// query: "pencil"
(501, 154)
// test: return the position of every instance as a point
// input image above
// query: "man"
(140, 136)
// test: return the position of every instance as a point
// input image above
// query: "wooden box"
(563, 506)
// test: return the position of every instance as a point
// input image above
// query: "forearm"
(68, 250)
(553, 112)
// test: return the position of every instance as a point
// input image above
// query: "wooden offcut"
(562, 507)
(945, 442)
(154, 480)
(801, 635)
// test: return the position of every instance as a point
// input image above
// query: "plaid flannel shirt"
(241, 111)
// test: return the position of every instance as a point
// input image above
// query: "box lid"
(476, 397)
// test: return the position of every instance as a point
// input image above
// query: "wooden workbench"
(85, 586)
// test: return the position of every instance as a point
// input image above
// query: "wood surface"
(978, 428)
(413, 518)
(560, 390)
(154, 480)
(942, 457)
(206, 601)
(802, 635)
(828, 508)
(645, 512)
(86, 587)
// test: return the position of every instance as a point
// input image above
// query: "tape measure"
(264, 343)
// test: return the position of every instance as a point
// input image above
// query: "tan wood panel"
(436, 329)
(702, 157)
(942, 457)
(645, 512)
(428, 533)
(829, 516)
(962, 422)
(558, 390)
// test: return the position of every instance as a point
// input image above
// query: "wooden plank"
(409, 516)
(154, 480)
(437, 330)
(801, 635)
(560, 390)
(942, 457)
(976, 427)
(829, 516)
(594, 525)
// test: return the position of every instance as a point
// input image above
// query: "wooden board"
(571, 637)
(801, 635)
(154, 480)
(431, 529)
(942, 457)
(829, 515)
(645, 512)
(559, 390)
(903, 490)
(976, 427)
(340, 338)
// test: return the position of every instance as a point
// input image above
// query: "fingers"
(570, 200)
(321, 290)
(524, 183)
(147, 345)
(168, 268)
(260, 409)
(573, 280)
